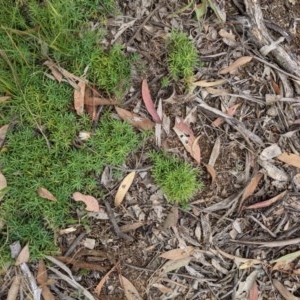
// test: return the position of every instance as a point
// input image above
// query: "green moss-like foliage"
(40, 146)
(178, 180)
(182, 56)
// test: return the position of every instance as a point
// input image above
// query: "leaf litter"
(232, 149)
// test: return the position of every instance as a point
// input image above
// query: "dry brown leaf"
(100, 101)
(134, 119)
(250, 188)
(187, 138)
(103, 280)
(230, 112)
(14, 288)
(267, 202)
(172, 218)
(3, 185)
(220, 92)
(172, 265)
(276, 87)
(290, 159)
(3, 132)
(175, 254)
(59, 72)
(238, 63)
(90, 201)
(253, 294)
(158, 126)
(81, 264)
(79, 98)
(42, 275)
(44, 193)
(162, 288)
(273, 171)
(4, 98)
(131, 292)
(284, 263)
(149, 103)
(240, 260)
(283, 290)
(212, 172)
(42, 280)
(130, 227)
(123, 188)
(215, 152)
(206, 83)
(23, 256)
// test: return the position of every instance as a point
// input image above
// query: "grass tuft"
(178, 180)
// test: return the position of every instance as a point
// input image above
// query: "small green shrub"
(178, 180)
(182, 56)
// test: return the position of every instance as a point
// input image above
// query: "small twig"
(75, 243)
(36, 291)
(269, 244)
(142, 25)
(263, 226)
(113, 221)
(131, 170)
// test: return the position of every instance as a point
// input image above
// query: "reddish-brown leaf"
(79, 98)
(231, 111)
(187, 138)
(42, 280)
(90, 201)
(149, 103)
(212, 172)
(134, 119)
(267, 202)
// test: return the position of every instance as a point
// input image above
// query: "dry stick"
(142, 25)
(269, 244)
(113, 221)
(75, 243)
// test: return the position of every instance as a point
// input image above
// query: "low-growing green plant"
(41, 148)
(182, 56)
(111, 70)
(178, 180)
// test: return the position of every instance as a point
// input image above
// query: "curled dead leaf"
(123, 188)
(90, 201)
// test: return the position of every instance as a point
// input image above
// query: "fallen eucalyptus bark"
(259, 35)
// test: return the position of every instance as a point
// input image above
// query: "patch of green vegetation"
(111, 70)
(40, 148)
(182, 56)
(178, 180)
